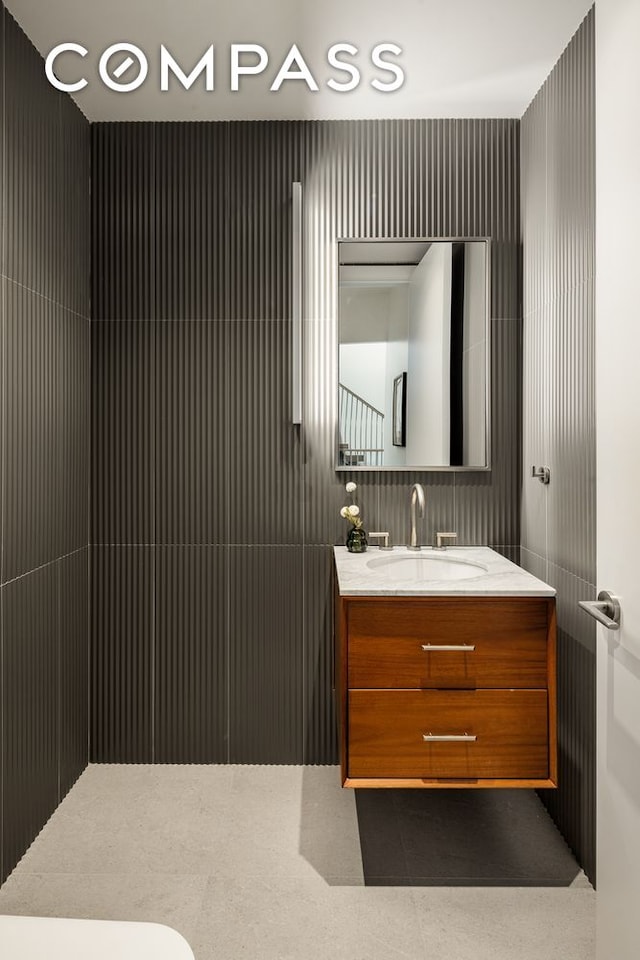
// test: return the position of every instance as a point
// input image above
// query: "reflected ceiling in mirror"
(413, 355)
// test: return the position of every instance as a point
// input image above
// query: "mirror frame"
(488, 324)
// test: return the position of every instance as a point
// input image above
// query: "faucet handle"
(385, 536)
(444, 536)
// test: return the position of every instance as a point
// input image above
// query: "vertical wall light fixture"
(296, 305)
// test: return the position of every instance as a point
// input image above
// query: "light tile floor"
(265, 863)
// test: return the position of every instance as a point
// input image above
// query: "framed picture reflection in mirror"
(400, 410)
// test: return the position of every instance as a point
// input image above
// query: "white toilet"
(39, 938)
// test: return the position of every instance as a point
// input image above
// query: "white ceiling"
(462, 58)
(382, 252)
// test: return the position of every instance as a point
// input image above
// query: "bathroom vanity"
(445, 670)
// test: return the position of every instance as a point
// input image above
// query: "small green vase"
(357, 540)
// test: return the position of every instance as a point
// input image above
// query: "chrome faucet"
(417, 499)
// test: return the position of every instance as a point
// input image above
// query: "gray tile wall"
(559, 521)
(212, 516)
(44, 445)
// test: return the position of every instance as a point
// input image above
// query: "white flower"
(354, 510)
(344, 512)
(351, 487)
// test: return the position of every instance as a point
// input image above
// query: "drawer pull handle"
(460, 647)
(449, 738)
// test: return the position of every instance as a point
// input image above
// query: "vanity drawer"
(387, 728)
(387, 640)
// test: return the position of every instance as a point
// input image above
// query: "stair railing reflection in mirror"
(361, 440)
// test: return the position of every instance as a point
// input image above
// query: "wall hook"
(542, 473)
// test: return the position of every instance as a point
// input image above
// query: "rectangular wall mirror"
(414, 355)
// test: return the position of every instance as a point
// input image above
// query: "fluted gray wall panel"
(183, 452)
(571, 499)
(2, 144)
(203, 229)
(2, 307)
(73, 666)
(31, 392)
(124, 201)
(266, 681)
(122, 654)
(320, 733)
(190, 654)
(73, 416)
(535, 437)
(263, 159)
(188, 481)
(44, 404)
(188, 222)
(533, 167)
(476, 516)
(47, 430)
(123, 436)
(571, 163)
(160, 654)
(73, 242)
(262, 446)
(33, 168)
(29, 710)
(191, 402)
(558, 521)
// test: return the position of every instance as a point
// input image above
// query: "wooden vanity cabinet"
(446, 691)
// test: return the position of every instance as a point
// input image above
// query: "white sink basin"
(426, 566)
(453, 572)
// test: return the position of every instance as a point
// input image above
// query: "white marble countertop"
(367, 574)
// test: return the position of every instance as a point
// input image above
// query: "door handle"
(606, 609)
